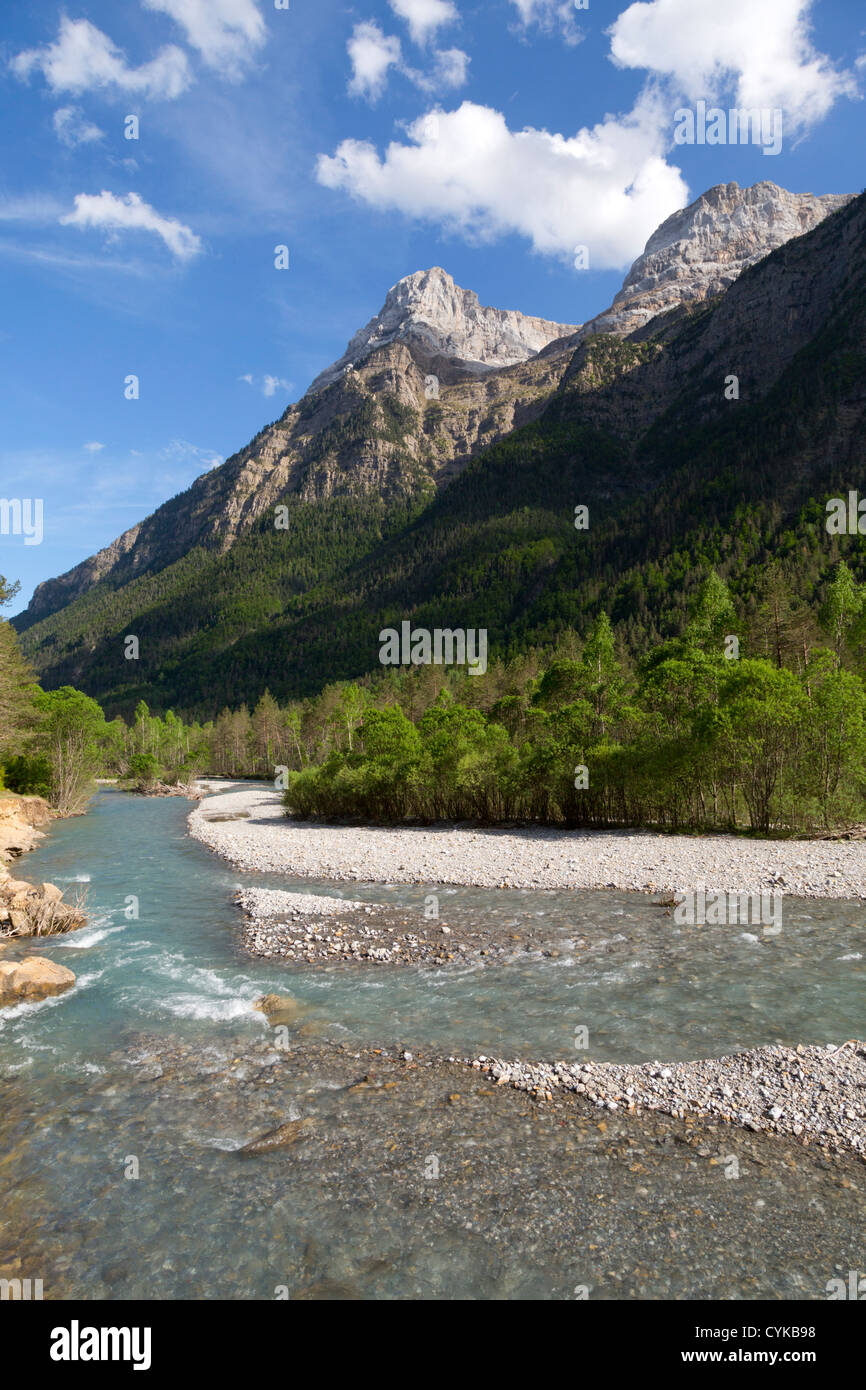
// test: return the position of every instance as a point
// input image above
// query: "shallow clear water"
(642, 986)
(158, 1053)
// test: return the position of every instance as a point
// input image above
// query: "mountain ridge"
(591, 429)
(701, 249)
(448, 321)
(477, 403)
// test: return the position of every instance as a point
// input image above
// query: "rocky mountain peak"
(702, 249)
(428, 308)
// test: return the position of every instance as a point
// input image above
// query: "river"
(127, 1100)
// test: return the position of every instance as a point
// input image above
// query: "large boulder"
(26, 981)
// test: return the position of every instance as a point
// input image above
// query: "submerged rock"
(292, 1132)
(26, 981)
(280, 1009)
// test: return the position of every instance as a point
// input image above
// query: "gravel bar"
(815, 1094)
(314, 929)
(253, 833)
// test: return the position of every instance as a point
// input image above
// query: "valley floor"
(244, 822)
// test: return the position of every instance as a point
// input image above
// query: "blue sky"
(372, 140)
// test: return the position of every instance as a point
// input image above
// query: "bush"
(28, 775)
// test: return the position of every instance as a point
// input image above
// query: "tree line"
(709, 730)
(696, 734)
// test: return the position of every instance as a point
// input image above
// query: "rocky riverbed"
(315, 929)
(333, 1172)
(815, 1094)
(246, 824)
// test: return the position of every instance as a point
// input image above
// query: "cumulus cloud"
(425, 17)
(371, 53)
(112, 214)
(73, 128)
(549, 16)
(607, 187)
(226, 33)
(83, 59)
(94, 446)
(766, 56)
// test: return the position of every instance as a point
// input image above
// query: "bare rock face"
(702, 249)
(20, 818)
(26, 981)
(443, 319)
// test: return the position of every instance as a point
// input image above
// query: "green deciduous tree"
(72, 735)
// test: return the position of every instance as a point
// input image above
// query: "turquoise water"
(643, 987)
(158, 1054)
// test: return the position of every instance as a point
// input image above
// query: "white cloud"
(763, 54)
(113, 214)
(607, 187)
(72, 127)
(450, 70)
(181, 451)
(550, 15)
(371, 53)
(270, 384)
(82, 59)
(225, 32)
(35, 208)
(424, 17)
(94, 447)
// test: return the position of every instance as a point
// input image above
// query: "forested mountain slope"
(459, 511)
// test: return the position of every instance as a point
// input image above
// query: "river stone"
(280, 1138)
(279, 1009)
(11, 886)
(32, 979)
